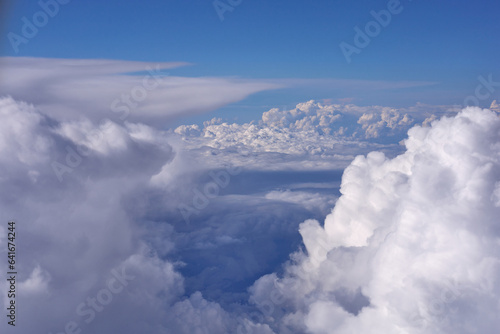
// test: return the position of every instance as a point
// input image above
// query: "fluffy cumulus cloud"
(382, 124)
(81, 261)
(101, 232)
(313, 135)
(122, 227)
(412, 245)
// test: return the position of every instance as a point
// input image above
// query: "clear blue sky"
(448, 42)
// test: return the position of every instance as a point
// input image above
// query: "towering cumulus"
(412, 245)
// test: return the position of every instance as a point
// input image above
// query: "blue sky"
(448, 43)
(339, 194)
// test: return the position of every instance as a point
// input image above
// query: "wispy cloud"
(97, 89)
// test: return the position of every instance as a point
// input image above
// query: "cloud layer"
(106, 89)
(313, 135)
(411, 245)
(100, 233)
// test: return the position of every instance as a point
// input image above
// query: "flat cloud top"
(105, 89)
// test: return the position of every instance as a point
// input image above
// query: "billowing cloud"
(313, 135)
(411, 246)
(123, 227)
(79, 254)
(100, 233)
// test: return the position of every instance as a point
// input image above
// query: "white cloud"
(412, 244)
(306, 199)
(72, 237)
(115, 210)
(36, 283)
(196, 315)
(313, 135)
(68, 89)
